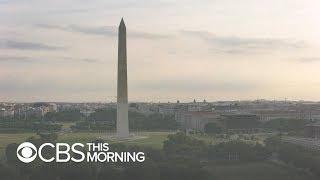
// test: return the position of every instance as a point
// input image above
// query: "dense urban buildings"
(190, 115)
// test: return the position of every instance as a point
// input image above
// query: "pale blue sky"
(66, 50)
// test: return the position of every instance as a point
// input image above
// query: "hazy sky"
(66, 50)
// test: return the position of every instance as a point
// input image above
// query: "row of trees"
(104, 119)
(182, 146)
(159, 165)
(182, 158)
(95, 126)
(295, 155)
(293, 126)
(64, 116)
(12, 126)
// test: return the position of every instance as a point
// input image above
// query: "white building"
(6, 113)
(195, 120)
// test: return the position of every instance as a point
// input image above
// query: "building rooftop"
(316, 124)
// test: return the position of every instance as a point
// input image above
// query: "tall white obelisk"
(122, 91)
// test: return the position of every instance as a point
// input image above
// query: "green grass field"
(152, 139)
(215, 140)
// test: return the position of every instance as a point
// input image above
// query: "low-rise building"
(195, 120)
(267, 115)
(240, 123)
(6, 113)
(53, 107)
(312, 130)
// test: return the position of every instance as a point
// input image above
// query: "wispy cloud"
(18, 84)
(197, 86)
(70, 11)
(15, 59)
(237, 45)
(23, 45)
(110, 31)
(85, 60)
(145, 35)
(103, 30)
(308, 59)
(27, 59)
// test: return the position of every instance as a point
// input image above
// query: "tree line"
(181, 158)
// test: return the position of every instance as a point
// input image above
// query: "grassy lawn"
(82, 137)
(6, 139)
(152, 139)
(66, 125)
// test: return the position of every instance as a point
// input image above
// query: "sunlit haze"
(66, 50)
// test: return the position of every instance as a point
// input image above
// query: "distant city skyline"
(66, 50)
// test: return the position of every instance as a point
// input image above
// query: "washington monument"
(122, 88)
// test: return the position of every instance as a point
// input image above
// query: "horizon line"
(198, 101)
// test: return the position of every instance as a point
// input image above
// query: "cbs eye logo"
(26, 152)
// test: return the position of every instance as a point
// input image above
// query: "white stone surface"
(122, 120)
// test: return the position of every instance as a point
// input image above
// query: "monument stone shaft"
(122, 87)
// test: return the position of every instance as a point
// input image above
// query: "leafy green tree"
(238, 151)
(8, 172)
(109, 115)
(273, 143)
(286, 124)
(212, 128)
(181, 146)
(11, 156)
(64, 116)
